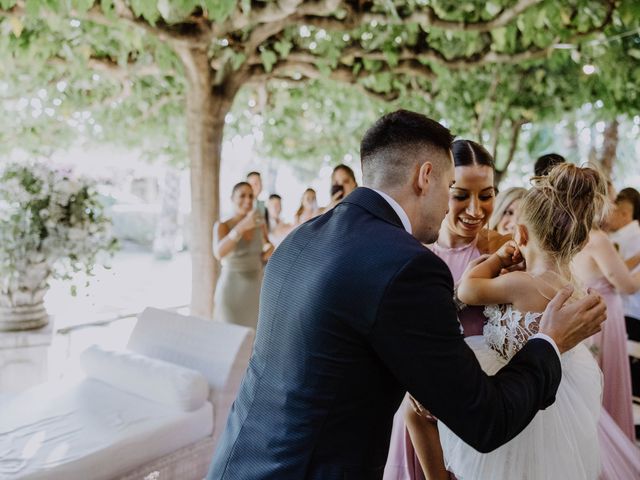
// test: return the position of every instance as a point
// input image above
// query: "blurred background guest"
(600, 267)
(308, 207)
(278, 228)
(625, 233)
(343, 182)
(505, 211)
(241, 244)
(255, 180)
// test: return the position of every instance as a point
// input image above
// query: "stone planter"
(22, 299)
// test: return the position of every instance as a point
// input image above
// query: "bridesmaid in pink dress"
(462, 239)
(600, 267)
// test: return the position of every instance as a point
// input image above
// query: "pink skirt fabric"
(620, 457)
(611, 345)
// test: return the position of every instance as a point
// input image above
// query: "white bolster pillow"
(156, 380)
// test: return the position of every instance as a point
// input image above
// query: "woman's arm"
(423, 431)
(267, 246)
(612, 266)
(224, 240)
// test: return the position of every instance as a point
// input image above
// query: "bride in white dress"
(561, 442)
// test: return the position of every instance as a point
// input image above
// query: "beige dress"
(238, 290)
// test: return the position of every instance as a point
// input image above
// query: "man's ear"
(521, 235)
(424, 178)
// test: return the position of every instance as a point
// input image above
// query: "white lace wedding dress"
(561, 442)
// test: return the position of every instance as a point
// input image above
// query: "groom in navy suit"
(355, 311)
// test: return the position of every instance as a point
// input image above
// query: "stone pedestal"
(23, 358)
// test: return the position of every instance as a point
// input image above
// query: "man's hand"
(569, 324)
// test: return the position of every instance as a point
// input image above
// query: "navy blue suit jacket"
(354, 312)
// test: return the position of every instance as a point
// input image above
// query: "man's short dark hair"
(275, 196)
(545, 163)
(251, 174)
(392, 145)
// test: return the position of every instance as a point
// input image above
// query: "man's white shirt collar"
(404, 218)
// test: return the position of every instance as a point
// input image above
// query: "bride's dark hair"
(562, 207)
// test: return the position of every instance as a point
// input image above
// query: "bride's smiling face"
(470, 200)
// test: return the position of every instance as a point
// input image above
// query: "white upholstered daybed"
(154, 412)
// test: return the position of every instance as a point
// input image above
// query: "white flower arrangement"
(49, 218)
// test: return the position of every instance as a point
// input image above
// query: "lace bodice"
(508, 329)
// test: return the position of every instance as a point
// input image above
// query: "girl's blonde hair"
(562, 207)
(502, 202)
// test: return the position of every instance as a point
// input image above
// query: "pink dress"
(619, 456)
(611, 345)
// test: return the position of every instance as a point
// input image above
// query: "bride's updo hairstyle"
(561, 208)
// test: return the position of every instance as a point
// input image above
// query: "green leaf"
(237, 60)
(634, 52)
(499, 36)
(7, 4)
(33, 7)
(392, 57)
(219, 10)
(146, 9)
(82, 5)
(269, 58)
(108, 8)
(283, 47)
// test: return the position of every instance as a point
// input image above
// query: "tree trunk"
(207, 107)
(609, 147)
(495, 135)
(516, 127)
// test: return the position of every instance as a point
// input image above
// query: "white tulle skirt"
(560, 443)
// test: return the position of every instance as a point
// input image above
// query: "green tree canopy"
(164, 74)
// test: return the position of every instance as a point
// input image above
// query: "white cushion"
(150, 378)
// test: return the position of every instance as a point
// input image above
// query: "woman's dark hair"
(346, 169)
(467, 153)
(632, 196)
(238, 186)
(545, 163)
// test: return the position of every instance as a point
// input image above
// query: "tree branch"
(301, 70)
(428, 18)
(161, 31)
(516, 127)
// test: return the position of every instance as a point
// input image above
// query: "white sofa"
(95, 430)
